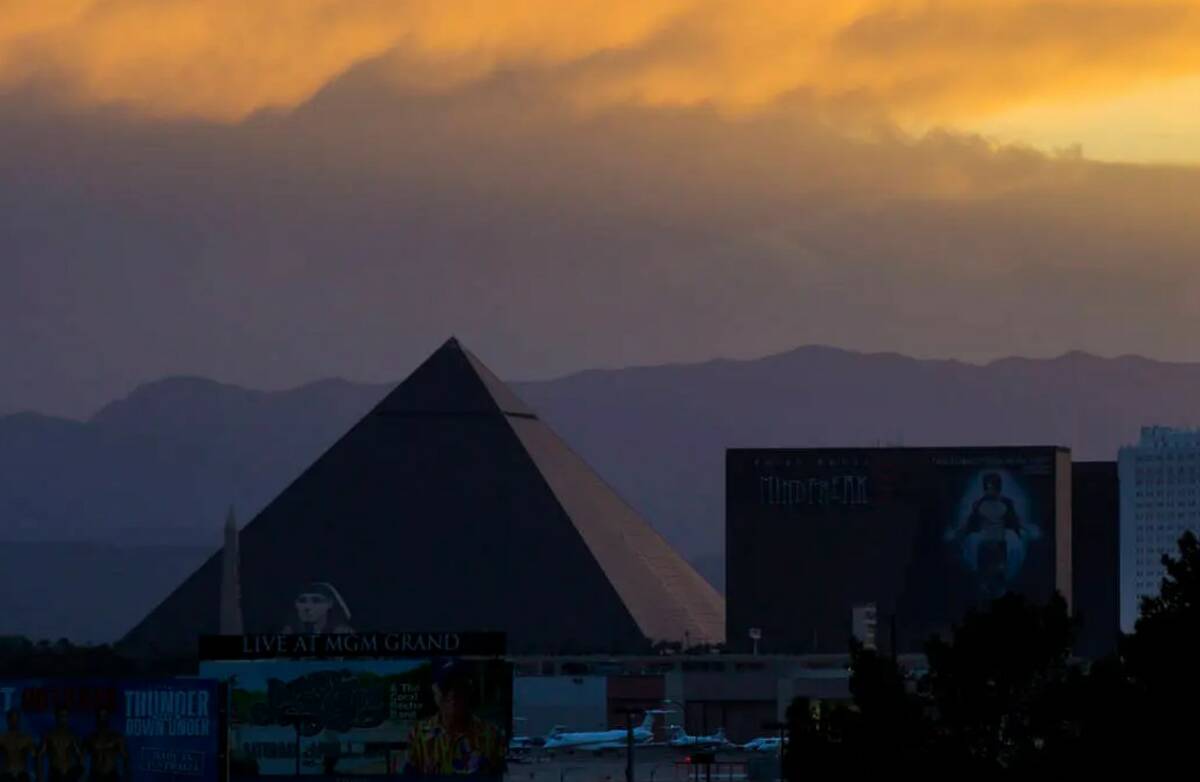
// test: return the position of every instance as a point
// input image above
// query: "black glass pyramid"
(450, 506)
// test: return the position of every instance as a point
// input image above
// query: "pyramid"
(452, 507)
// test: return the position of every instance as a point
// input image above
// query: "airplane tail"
(648, 721)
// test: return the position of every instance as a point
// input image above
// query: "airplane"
(679, 738)
(520, 747)
(601, 740)
(523, 749)
(764, 744)
(525, 742)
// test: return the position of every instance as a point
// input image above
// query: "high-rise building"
(1160, 500)
(1095, 554)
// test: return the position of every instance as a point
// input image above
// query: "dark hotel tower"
(1095, 513)
(915, 537)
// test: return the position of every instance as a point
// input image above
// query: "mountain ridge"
(143, 388)
(162, 464)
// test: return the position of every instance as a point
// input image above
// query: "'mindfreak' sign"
(267, 646)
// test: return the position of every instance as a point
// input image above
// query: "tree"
(887, 718)
(1168, 627)
(1160, 655)
(21, 657)
(884, 728)
(815, 745)
(1003, 696)
(999, 685)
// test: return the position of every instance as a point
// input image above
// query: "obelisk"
(231, 590)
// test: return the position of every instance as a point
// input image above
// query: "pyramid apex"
(452, 381)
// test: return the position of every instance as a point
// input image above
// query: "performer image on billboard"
(18, 748)
(454, 741)
(106, 747)
(60, 748)
(320, 609)
(993, 538)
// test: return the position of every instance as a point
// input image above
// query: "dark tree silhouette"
(1160, 655)
(815, 741)
(1169, 624)
(998, 685)
(1004, 698)
(21, 657)
(887, 717)
(885, 728)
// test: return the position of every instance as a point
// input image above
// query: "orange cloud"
(918, 61)
(223, 59)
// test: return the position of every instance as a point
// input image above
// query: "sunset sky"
(274, 191)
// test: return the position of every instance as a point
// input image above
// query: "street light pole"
(629, 715)
(298, 717)
(628, 748)
(781, 727)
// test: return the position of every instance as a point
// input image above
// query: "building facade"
(1095, 556)
(1160, 500)
(816, 537)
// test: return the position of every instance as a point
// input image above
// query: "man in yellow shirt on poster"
(454, 741)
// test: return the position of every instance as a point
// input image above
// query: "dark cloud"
(350, 236)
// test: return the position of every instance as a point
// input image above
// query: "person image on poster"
(19, 749)
(60, 748)
(319, 610)
(993, 538)
(107, 750)
(454, 741)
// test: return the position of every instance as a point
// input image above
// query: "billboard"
(108, 730)
(924, 534)
(417, 717)
(270, 646)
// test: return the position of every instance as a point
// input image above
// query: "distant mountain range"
(160, 467)
(86, 592)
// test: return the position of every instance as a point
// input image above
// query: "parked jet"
(680, 738)
(765, 744)
(521, 747)
(600, 740)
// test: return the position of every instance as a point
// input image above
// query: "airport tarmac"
(651, 764)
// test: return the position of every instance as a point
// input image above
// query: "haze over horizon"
(275, 192)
